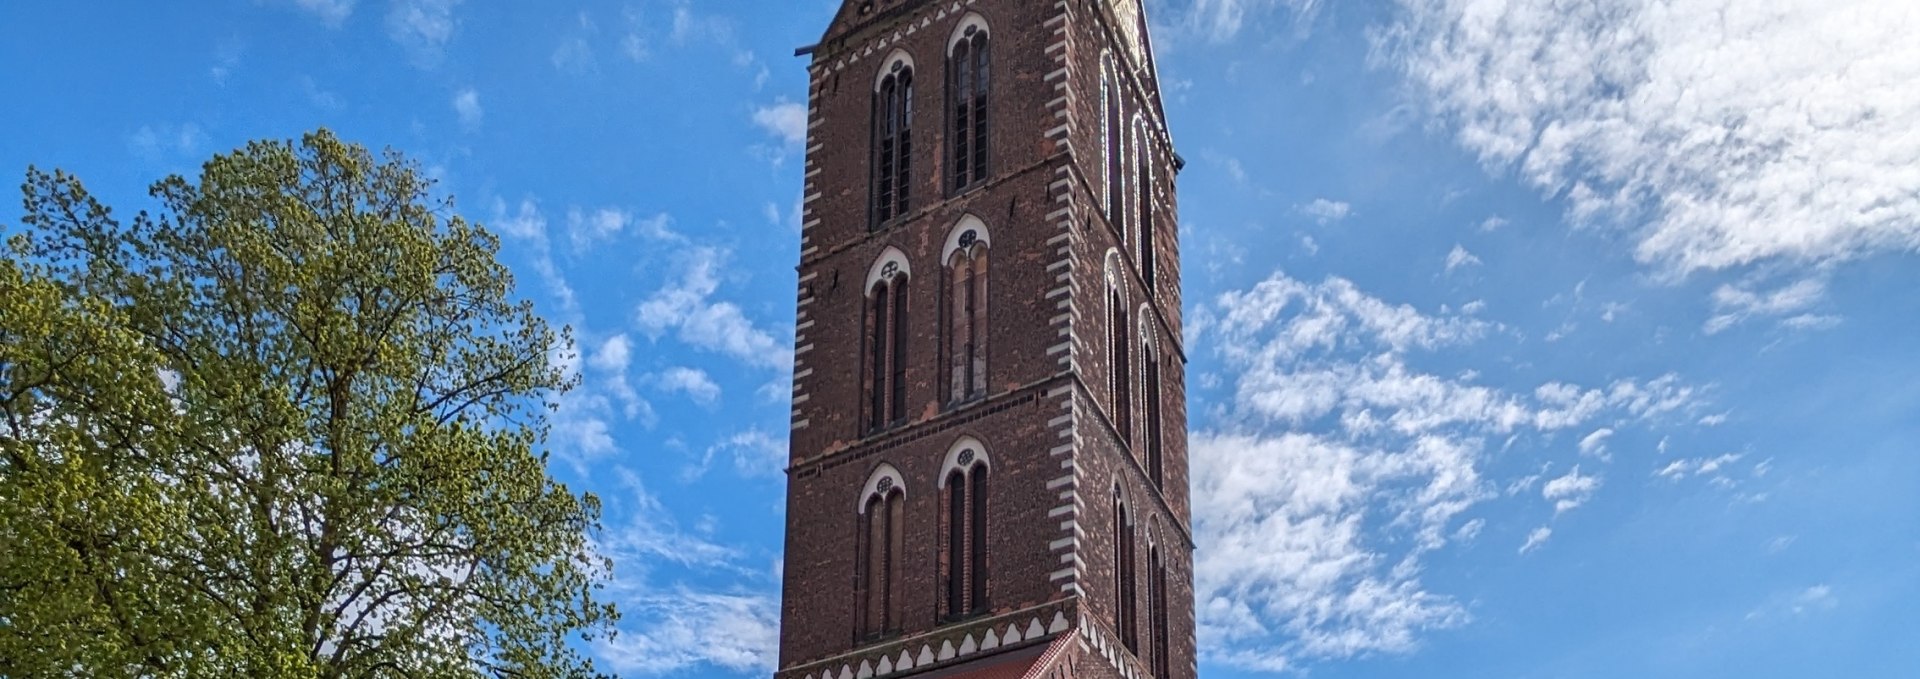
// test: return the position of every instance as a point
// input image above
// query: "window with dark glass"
(1151, 397)
(1157, 616)
(967, 89)
(1124, 578)
(883, 541)
(966, 556)
(1115, 150)
(893, 143)
(1118, 343)
(966, 329)
(1143, 154)
(887, 350)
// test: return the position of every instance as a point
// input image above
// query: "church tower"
(988, 475)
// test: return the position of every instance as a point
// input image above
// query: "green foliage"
(289, 427)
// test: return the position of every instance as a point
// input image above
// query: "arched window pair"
(893, 139)
(882, 539)
(1124, 575)
(1151, 399)
(970, 75)
(882, 543)
(1126, 620)
(965, 324)
(964, 479)
(1119, 343)
(1133, 213)
(969, 88)
(1151, 442)
(1157, 597)
(886, 340)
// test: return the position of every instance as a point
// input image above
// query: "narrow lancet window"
(968, 88)
(893, 142)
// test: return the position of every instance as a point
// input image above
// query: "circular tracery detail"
(886, 484)
(966, 457)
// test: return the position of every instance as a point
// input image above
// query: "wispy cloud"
(1733, 305)
(330, 12)
(668, 628)
(1568, 492)
(1537, 539)
(692, 382)
(1339, 465)
(686, 309)
(423, 28)
(786, 120)
(466, 105)
(1709, 122)
(1326, 211)
(1459, 258)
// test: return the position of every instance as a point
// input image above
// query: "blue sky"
(1527, 342)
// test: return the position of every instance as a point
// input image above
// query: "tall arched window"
(965, 326)
(1151, 397)
(886, 340)
(882, 541)
(1157, 598)
(893, 139)
(969, 68)
(964, 478)
(1119, 343)
(1124, 577)
(1143, 155)
(1114, 131)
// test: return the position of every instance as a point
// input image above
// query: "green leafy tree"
(289, 426)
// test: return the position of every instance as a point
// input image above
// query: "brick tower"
(988, 475)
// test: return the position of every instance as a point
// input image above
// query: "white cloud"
(1595, 444)
(671, 629)
(423, 28)
(466, 104)
(1798, 603)
(612, 361)
(1681, 470)
(1535, 540)
(1221, 20)
(690, 381)
(1568, 492)
(1735, 132)
(589, 228)
(330, 12)
(1326, 211)
(786, 120)
(156, 142)
(686, 308)
(1459, 257)
(1338, 466)
(526, 224)
(1733, 305)
(754, 453)
(686, 629)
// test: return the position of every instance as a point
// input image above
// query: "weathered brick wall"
(1046, 423)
